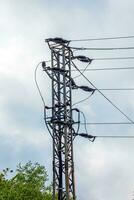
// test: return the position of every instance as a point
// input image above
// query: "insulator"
(83, 59)
(86, 88)
(57, 40)
(43, 64)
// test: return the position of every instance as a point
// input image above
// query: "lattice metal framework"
(61, 120)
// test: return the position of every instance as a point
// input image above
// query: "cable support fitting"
(57, 121)
(56, 106)
(57, 40)
(78, 122)
(76, 109)
(43, 64)
(90, 137)
(55, 69)
(87, 89)
(82, 59)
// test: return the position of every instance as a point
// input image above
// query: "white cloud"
(102, 172)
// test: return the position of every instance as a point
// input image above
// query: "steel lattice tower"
(61, 119)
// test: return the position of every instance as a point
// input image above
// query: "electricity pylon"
(61, 119)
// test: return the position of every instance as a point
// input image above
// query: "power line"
(107, 123)
(115, 58)
(112, 89)
(36, 82)
(105, 96)
(41, 96)
(60, 117)
(85, 125)
(85, 135)
(116, 89)
(83, 100)
(102, 49)
(113, 136)
(111, 68)
(93, 137)
(37, 85)
(103, 38)
(82, 71)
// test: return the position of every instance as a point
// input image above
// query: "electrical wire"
(41, 96)
(77, 131)
(116, 89)
(103, 38)
(104, 95)
(101, 49)
(113, 136)
(115, 58)
(84, 117)
(107, 123)
(78, 123)
(78, 102)
(82, 71)
(37, 85)
(92, 138)
(111, 68)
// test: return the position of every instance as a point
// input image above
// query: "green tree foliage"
(29, 183)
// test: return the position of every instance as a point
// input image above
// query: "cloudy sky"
(103, 169)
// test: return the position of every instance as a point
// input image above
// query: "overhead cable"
(114, 136)
(115, 89)
(40, 93)
(107, 123)
(101, 48)
(110, 68)
(104, 95)
(37, 85)
(83, 100)
(103, 38)
(115, 58)
(93, 137)
(106, 89)
(82, 71)
(84, 117)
